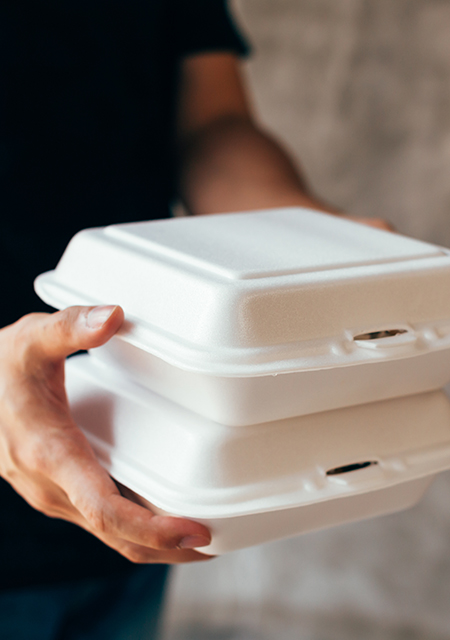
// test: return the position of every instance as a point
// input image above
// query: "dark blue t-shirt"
(87, 98)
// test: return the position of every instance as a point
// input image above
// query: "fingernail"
(192, 542)
(97, 317)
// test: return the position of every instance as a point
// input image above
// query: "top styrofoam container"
(218, 306)
(260, 482)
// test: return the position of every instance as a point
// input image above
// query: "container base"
(232, 534)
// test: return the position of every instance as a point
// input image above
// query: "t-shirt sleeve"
(206, 25)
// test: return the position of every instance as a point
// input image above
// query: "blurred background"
(359, 92)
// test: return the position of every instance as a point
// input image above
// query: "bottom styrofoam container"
(230, 534)
(261, 482)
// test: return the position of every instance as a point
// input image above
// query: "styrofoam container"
(258, 483)
(254, 317)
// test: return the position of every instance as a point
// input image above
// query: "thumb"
(53, 337)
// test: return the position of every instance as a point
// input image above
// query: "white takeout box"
(254, 317)
(259, 483)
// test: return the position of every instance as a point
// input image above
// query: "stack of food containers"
(278, 371)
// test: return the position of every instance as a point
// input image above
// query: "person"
(109, 113)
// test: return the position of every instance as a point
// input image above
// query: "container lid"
(259, 292)
(187, 465)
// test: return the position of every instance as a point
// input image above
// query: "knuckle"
(24, 341)
(158, 541)
(97, 517)
(58, 331)
(45, 501)
(30, 335)
(25, 323)
(62, 327)
(21, 338)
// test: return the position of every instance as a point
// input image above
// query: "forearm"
(231, 165)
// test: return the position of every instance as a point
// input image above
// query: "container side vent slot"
(351, 467)
(377, 335)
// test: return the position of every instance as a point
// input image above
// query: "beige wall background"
(359, 92)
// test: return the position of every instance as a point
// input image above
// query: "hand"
(378, 223)
(48, 460)
(301, 199)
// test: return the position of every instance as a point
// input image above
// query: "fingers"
(113, 515)
(377, 223)
(80, 491)
(49, 499)
(56, 471)
(96, 497)
(52, 337)
(48, 459)
(144, 555)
